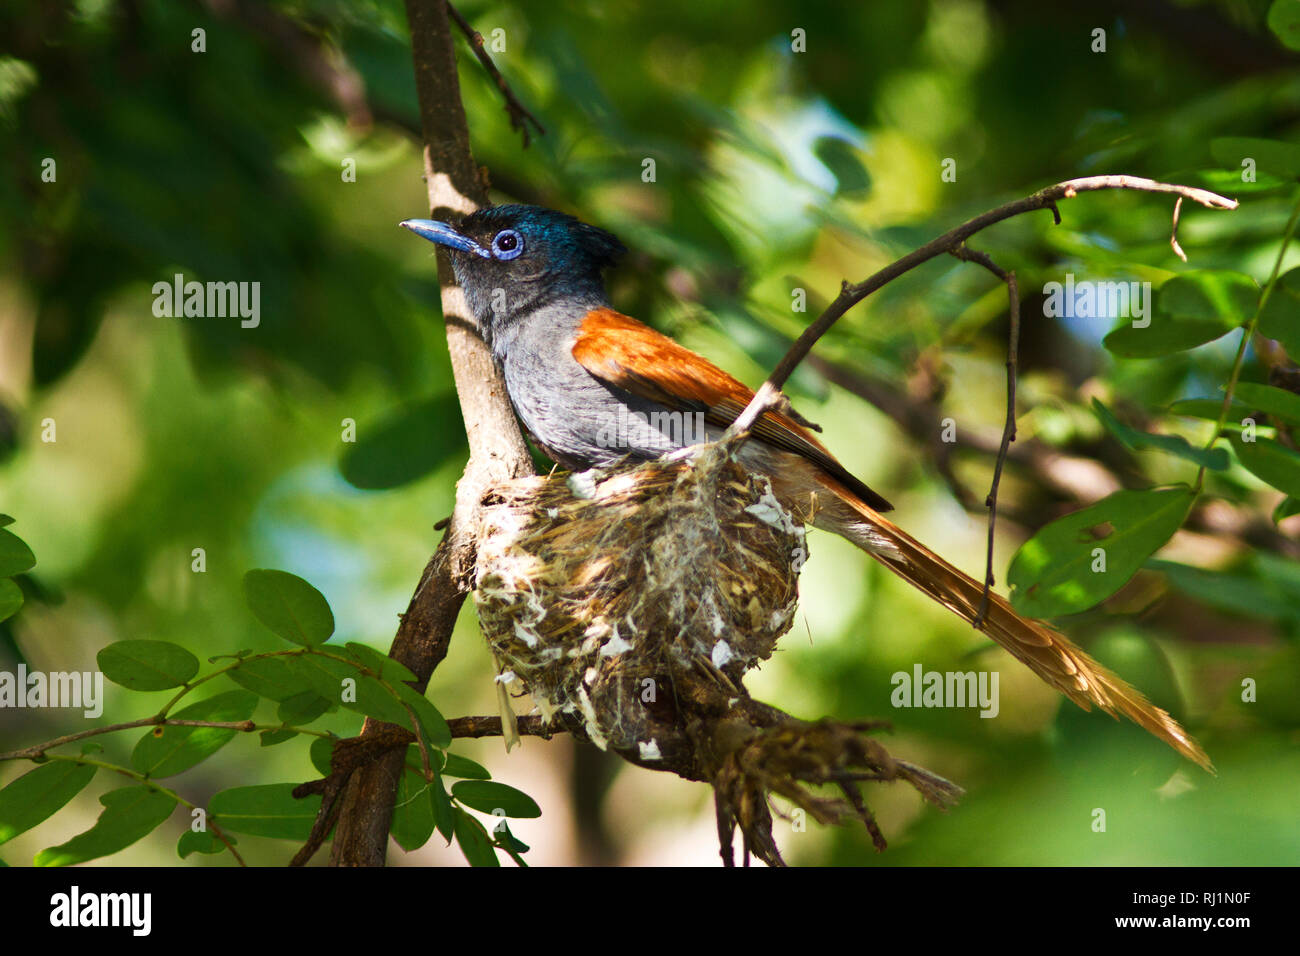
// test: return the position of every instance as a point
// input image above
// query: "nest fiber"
(624, 600)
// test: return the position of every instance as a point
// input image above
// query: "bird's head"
(512, 259)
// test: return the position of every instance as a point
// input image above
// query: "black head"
(512, 259)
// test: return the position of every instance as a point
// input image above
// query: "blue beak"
(444, 235)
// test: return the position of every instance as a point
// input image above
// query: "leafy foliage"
(327, 439)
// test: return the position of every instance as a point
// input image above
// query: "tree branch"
(497, 450)
(769, 395)
(967, 254)
(519, 115)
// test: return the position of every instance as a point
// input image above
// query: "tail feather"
(1046, 651)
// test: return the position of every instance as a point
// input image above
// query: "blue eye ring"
(507, 244)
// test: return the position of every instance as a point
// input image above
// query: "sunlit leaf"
(129, 814)
(1270, 461)
(1080, 560)
(38, 794)
(270, 810)
(1190, 309)
(176, 749)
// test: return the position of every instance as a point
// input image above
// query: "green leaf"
(274, 678)
(200, 841)
(15, 556)
(1270, 461)
(321, 750)
(844, 160)
(1250, 593)
(6, 520)
(1280, 317)
(130, 814)
(1229, 181)
(510, 843)
(1208, 408)
(177, 749)
(436, 732)
(406, 445)
(322, 674)
(444, 814)
(11, 598)
(1284, 20)
(38, 794)
(375, 700)
(1286, 508)
(301, 709)
(383, 665)
(1134, 439)
(464, 768)
(1270, 400)
(268, 810)
(413, 816)
(147, 665)
(1190, 309)
(1270, 155)
(490, 796)
(289, 606)
(1057, 570)
(269, 738)
(474, 841)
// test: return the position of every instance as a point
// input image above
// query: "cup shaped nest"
(629, 601)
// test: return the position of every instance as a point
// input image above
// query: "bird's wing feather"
(621, 351)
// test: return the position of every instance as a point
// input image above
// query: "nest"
(629, 602)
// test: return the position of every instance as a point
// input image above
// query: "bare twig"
(968, 254)
(36, 751)
(497, 450)
(769, 395)
(1173, 234)
(529, 726)
(518, 113)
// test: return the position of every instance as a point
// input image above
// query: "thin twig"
(531, 726)
(36, 751)
(1173, 235)
(769, 395)
(518, 113)
(968, 254)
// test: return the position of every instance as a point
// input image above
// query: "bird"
(594, 386)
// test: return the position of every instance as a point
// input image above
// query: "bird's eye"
(507, 244)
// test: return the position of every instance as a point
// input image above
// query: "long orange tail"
(1046, 651)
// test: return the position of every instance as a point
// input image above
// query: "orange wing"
(629, 354)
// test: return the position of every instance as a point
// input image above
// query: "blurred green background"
(775, 170)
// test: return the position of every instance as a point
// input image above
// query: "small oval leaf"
(289, 606)
(15, 556)
(270, 810)
(1270, 461)
(147, 665)
(38, 794)
(129, 814)
(491, 796)
(1190, 309)
(178, 749)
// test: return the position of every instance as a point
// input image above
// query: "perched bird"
(592, 386)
